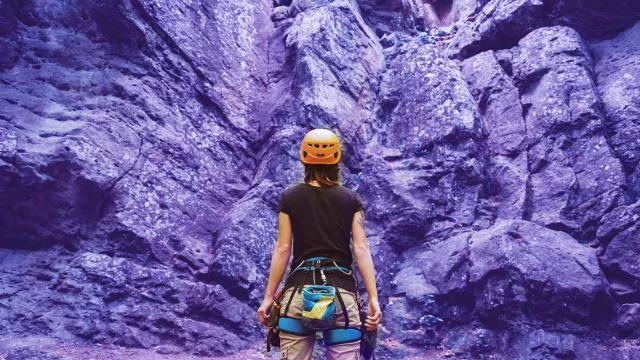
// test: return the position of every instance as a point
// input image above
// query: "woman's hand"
(263, 311)
(374, 315)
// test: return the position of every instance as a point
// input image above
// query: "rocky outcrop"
(501, 24)
(541, 103)
(424, 126)
(115, 125)
(546, 273)
(620, 255)
(618, 78)
(498, 276)
(316, 77)
(498, 101)
(144, 146)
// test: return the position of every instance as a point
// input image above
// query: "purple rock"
(618, 78)
(501, 24)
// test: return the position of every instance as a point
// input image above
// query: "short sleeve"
(284, 204)
(358, 205)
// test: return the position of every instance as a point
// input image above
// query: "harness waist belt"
(331, 337)
(340, 280)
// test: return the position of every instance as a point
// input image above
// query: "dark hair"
(326, 174)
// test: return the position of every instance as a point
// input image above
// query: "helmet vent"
(319, 146)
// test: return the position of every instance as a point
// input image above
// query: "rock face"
(426, 125)
(618, 77)
(113, 131)
(513, 267)
(144, 146)
(501, 24)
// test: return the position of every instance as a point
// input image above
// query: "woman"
(320, 214)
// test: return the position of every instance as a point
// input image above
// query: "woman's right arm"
(365, 264)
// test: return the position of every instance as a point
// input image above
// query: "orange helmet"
(320, 146)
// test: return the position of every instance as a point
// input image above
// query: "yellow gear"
(320, 146)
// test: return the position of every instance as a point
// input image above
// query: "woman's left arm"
(279, 261)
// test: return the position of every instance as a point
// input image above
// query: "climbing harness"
(318, 303)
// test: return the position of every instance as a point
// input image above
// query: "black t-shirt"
(321, 220)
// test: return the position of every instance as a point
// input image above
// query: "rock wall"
(144, 146)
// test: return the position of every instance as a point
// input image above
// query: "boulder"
(514, 267)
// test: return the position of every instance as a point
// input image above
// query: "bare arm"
(363, 255)
(279, 261)
(280, 257)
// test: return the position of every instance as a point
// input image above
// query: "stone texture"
(415, 16)
(31, 354)
(115, 122)
(513, 265)
(629, 319)
(498, 101)
(617, 68)
(620, 237)
(575, 176)
(116, 301)
(10, 47)
(426, 125)
(307, 85)
(501, 24)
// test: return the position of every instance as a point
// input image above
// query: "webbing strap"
(289, 302)
(293, 326)
(269, 335)
(341, 336)
(344, 308)
(326, 268)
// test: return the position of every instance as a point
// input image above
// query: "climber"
(321, 291)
